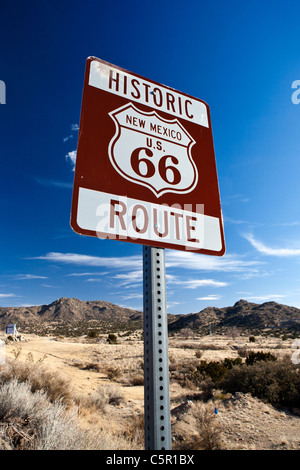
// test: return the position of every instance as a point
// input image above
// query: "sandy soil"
(245, 422)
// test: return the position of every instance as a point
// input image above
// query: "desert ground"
(93, 366)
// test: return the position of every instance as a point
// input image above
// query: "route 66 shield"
(151, 151)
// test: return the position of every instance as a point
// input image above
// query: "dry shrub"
(243, 351)
(113, 373)
(210, 347)
(182, 372)
(105, 395)
(136, 379)
(199, 354)
(16, 399)
(39, 378)
(94, 366)
(114, 395)
(208, 430)
(29, 421)
(134, 433)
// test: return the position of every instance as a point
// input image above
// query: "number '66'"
(145, 168)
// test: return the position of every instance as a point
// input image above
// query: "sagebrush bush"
(136, 379)
(277, 382)
(29, 421)
(103, 396)
(16, 399)
(39, 378)
(207, 431)
(243, 351)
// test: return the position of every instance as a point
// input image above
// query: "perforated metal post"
(156, 365)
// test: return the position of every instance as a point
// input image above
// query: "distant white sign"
(11, 329)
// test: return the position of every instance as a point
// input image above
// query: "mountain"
(67, 311)
(242, 314)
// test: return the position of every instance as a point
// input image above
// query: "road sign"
(11, 329)
(145, 167)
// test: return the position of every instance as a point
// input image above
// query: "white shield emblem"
(151, 151)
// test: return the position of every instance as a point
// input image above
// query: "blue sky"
(240, 57)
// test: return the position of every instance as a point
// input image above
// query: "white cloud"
(72, 157)
(181, 260)
(7, 295)
(132, 296)
(194, 283)
(137, 277)
(55, 183)
(289, 224)
(266, 250)
(226, 263)
(229, 220)
(265, 298)
(234, 198)
(49, 286)
(22, 277)
(87, 274)
(173, 304)
(174, 259)
(86, 260)
(210, 297)
(74, 127)
(170, 278)
(138, 308)
(133, 277)
(65, 139)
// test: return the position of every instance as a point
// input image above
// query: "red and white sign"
(145, 167)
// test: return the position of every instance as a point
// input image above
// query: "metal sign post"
(156, 365)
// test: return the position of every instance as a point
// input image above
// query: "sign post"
(156, 364)
(146, 173)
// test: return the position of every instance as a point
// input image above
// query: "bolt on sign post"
(146, 173)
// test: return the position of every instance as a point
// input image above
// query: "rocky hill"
(242, 314)
(66, 310)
